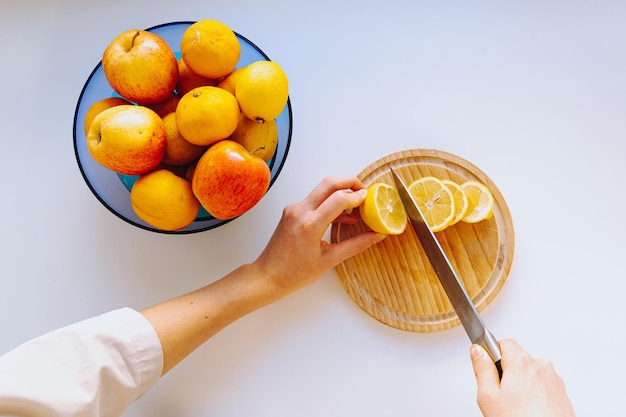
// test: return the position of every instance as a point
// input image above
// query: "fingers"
(328, 186)
(335, 206)
(339, 252)
(484, 369)
(333, 199)
(347, 218)
(511, 346)
(512, 354)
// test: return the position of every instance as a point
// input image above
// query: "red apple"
(228, 180)
(141, 67)
(127, 139)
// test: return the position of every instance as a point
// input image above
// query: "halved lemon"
(480, 202)
(435, 202)
(382, 211)
(460, 200)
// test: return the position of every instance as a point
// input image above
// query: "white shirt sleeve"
(96, 367)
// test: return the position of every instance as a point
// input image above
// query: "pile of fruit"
(196, 130)
(442, 202)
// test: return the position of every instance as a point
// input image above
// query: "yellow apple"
(141, 67)
(100, 105)
(127, 139)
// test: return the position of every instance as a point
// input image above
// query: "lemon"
(480, 202)
(262, 90)
(382, 211)
(188, 80)
(164, 200)
(460, 200)
(435, 202)
(178, 151)
(260, 139)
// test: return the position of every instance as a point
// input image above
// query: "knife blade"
(463, 306)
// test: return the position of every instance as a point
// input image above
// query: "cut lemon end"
(480, 202)
(461, 203)
(382, 211)
(435, 202)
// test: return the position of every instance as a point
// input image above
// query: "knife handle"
(491, 345)
(499, 368)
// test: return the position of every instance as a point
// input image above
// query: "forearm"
(186, 322)
(295, 256)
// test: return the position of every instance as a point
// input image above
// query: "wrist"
(267, 279)
(260, 285)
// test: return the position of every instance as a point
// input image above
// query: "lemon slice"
(480, 202)
(460, 200)
(435, 202)
(382, 211)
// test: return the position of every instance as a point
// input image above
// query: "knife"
(452, 285)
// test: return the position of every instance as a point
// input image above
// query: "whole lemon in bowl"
(262, 90)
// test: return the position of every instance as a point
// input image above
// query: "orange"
(229, 83)
(167, 106)
(178, 151)
(191, 169)
(164, 200)
(262, 90)
(206, 115)
(100, 105)
(178, 170)
(188, 80)
(210, 48)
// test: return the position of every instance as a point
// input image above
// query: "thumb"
(484, 368)
(339, 252)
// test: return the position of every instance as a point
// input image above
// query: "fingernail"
(476, 352)
(379, 237)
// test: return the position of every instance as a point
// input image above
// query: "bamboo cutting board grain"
(393, 281)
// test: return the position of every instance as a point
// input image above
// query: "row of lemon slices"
(443, 203)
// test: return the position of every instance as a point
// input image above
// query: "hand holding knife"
(463, 305)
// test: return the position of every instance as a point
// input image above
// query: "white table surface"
(534, 93)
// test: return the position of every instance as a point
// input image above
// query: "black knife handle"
(499, 368)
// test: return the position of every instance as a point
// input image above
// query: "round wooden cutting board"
(394, 282)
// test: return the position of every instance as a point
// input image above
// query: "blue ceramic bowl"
(112, 189)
